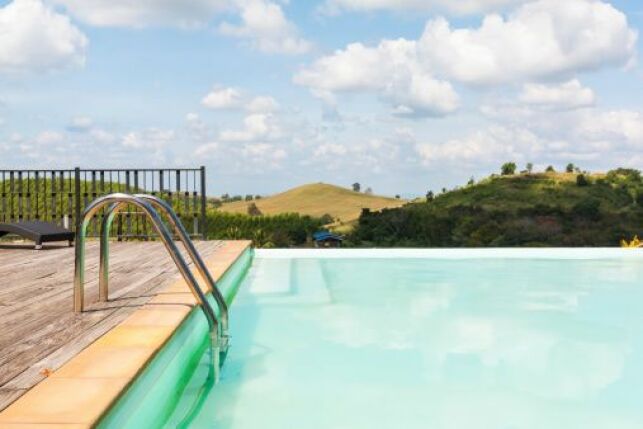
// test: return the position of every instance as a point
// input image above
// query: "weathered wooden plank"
(38, 327)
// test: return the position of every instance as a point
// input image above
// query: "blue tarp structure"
(326, 236)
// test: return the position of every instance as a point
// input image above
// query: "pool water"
(446, 340)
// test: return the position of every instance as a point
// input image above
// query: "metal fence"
(60, 196)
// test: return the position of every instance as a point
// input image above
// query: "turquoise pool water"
(430, 339)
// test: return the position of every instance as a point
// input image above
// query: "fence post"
(77, 209)
(204, 202)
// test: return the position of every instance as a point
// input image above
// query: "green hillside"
(547, 209)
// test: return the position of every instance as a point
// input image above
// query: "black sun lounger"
(40, 232)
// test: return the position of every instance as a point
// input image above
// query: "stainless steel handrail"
(183, 236)
(166, 237)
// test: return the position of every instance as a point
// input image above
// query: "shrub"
(278, 230)
(508, 168)
(581, 180)
(326, 219)
(253, 210)
(589, 208)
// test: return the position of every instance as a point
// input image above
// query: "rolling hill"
(542, 209)
(317, 199)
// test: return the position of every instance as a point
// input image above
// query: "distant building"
(327, 239)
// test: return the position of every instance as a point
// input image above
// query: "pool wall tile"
(79, 393)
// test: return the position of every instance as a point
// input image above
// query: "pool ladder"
(151, 205)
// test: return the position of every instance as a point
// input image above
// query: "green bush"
(265, 231)
(581, 180)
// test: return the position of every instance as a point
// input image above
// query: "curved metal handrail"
(166, 237)
(184, 237)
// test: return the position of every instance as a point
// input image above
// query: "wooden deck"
(39, 330)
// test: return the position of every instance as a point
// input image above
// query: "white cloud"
(262, 104)
(144, 13)
(620, 128)
(152, 138)
(222, 98)
(232, 98)
(265, 25)
(207, 149)
(455, 6)
(46, 138)
(604, 139)
(567, 95)
(263, 151)
(80, 124)
(542, 39)
(492, 145)
(257, 126)
(330, 149)
(102, 137)
(35, 38)
(391, 70)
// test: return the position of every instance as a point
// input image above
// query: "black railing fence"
(60, 196)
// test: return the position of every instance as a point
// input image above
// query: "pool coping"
(80, 392)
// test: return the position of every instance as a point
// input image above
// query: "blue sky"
(400, 95)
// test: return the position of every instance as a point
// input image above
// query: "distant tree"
(444, 190)
(236, 198)
(550, 169)
(257, 197)
(249, 197)
(472, 181)
(397, 196)
(508, 169)
(429, 196)
(253, 210)
(326, 219)
(581, 180)
(569, 168)
(530, 167)
(225, 197)
(368, 191)
(357, 187)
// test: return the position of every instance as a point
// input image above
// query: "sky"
(402, 96)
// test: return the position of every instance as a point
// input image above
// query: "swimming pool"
(426, 338)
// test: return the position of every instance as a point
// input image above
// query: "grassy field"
(316, 200)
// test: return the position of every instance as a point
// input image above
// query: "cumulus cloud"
(231, 98)
(391, 70)
(35, 38)
(263, 151)
(567, 95)
(603, 138)
(621, 128)
(457, 6)
(127, 13)
(222, 98)
(152, 138)
(487, 146)
(265, 25)
(262, 104)
(257, 126)
(542, 39)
